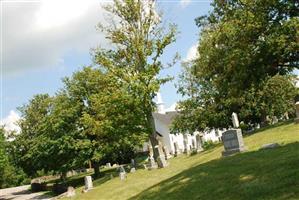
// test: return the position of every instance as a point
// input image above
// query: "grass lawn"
(255, 174)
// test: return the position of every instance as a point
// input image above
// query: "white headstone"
(122, 176)
(88, 182)
(235, 120)
(108, 165)
(132, 170)
(70, 192)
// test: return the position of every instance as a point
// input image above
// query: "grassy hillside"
(255, 174)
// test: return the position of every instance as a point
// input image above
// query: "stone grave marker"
(133, 163)
(233, 139)
(198, 143)
(176, 149)
(70, 192)
(161, 158)
(108, 165)
(88, 182)
(132, 170)
(233, 142)
(166, 152)
(235, 120)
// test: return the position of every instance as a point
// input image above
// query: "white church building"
(163, 119)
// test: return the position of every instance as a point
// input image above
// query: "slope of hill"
(255, 174)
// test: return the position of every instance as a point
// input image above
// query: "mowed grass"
(255, 174)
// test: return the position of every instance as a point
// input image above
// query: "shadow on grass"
(263, 174)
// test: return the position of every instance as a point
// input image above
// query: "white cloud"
(192, 53)
(10, 122)
(184, 3)
(40, 34)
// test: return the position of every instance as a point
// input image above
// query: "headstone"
(70, 192)
(186, 146)
(235, 120)
(133, 163)
(176, 149)
(233, 142)
(161, 161)
(297, 112)
(198, 143)
(88, 182)
(270, 146)
(108, 165)
(132, 170)
(122, 176)
(274, 120)
(152, 164)
(166, 152)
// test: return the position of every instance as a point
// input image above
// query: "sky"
(43, 41)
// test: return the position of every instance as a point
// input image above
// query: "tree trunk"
(96, 168)
(158, 153)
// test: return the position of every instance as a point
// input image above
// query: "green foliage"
(138, 41)
(209, 145)
(242, 45)
(11, 175)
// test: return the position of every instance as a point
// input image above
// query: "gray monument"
(88, 182)
(297, 112)
(233, 139)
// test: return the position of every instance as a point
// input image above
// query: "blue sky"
(44, 41)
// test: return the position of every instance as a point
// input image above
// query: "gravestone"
(122, 176)
(297, 112)
(235, 120)
(198, 143)
(108, 165)
(176, 149)
(133, 163)
(122, 173)
(70, 192)
(151, 161)
(166, 152)
(233, 142)
(274, 120)
(88, 182)
(132, 170)
(186, 146)
(161, 161)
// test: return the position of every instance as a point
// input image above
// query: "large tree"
(242, 44)
(138, 41)
(109, 118)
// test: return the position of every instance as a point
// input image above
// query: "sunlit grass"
(256, 174)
